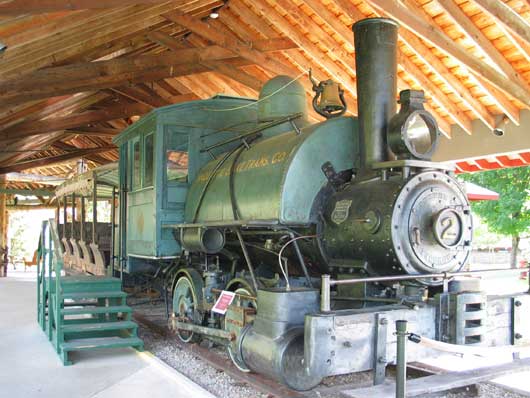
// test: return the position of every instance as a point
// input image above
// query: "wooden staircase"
(80, 312)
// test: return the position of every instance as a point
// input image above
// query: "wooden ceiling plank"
(456, 114)
(47, 161)
(150, 100)
(263, 30)
(505, 15)
(72, 121)
(444, 74)
(238, 47)
(481, 41)
(102, 74)
(234, 73)
(499, 98)
(168, 88)
(335, 51)
(437, 95)
(501, 101)
(83, 38)
(95, 131)
(28, 143)
(18, 7)
(268, 12)
(444, 43)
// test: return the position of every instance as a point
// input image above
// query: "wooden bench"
(31, 263)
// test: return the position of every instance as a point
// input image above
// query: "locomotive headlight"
(413, 132)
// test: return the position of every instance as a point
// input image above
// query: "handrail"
(327, 282)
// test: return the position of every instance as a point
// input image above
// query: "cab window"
(177, 159)
(148, 160)
(136, 163)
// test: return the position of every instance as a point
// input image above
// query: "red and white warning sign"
(222, 303)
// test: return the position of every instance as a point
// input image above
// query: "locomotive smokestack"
(375, 56)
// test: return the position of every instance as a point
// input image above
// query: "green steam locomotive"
(294, 243)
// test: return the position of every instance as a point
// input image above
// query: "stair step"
(100, 326)
(100, 342)
(103, 294)
(96, 310)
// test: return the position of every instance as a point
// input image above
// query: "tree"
(510, 215)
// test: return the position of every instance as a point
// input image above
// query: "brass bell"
(330, 97)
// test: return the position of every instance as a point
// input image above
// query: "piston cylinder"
(274, 344)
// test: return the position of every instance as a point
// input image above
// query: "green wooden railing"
(49, 269)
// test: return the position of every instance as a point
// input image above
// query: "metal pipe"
(65, 218)
(443, 275)
(82, 232)
(94, 208)
(72, 236)
(112, 231)
(376, 67)
(325, 294)
(247, 259)
(401, 360)
(301, 259)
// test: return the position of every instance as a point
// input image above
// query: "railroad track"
(157, 324)
(259, 382)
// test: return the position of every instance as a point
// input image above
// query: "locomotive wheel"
(185, 308)
(234, 348)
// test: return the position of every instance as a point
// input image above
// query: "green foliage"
(510, 215)
(24, 229)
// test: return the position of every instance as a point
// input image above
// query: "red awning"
(476, 192)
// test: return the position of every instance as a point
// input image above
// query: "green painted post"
(401, 361)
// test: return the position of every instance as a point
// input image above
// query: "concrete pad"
(29, 367)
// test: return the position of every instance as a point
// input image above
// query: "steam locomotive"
(241, 206)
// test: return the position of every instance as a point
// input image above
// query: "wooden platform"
(441, 382)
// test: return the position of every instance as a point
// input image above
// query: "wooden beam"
(434, 36)
(115, 72)
(72, 121)
(475, 35)
(270, 13)
(240, 48)
(19, 7)
(95, 131)
(95, 30)
(227, 70)
(34, 178)
(503, 14)
(422, 80)
(152, 100)
(27, 192)
(47, 161)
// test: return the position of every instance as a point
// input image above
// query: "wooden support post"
(94, 208)
(72, 234)
(112, 231)
(3, 226)
(65, 218)
(82, 220)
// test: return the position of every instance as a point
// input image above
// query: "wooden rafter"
(242, 49)
(17, 7)
(50, 160)
(498, 96)
(71, 121)
(502, 13)
(79, 77)
(432, 35)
